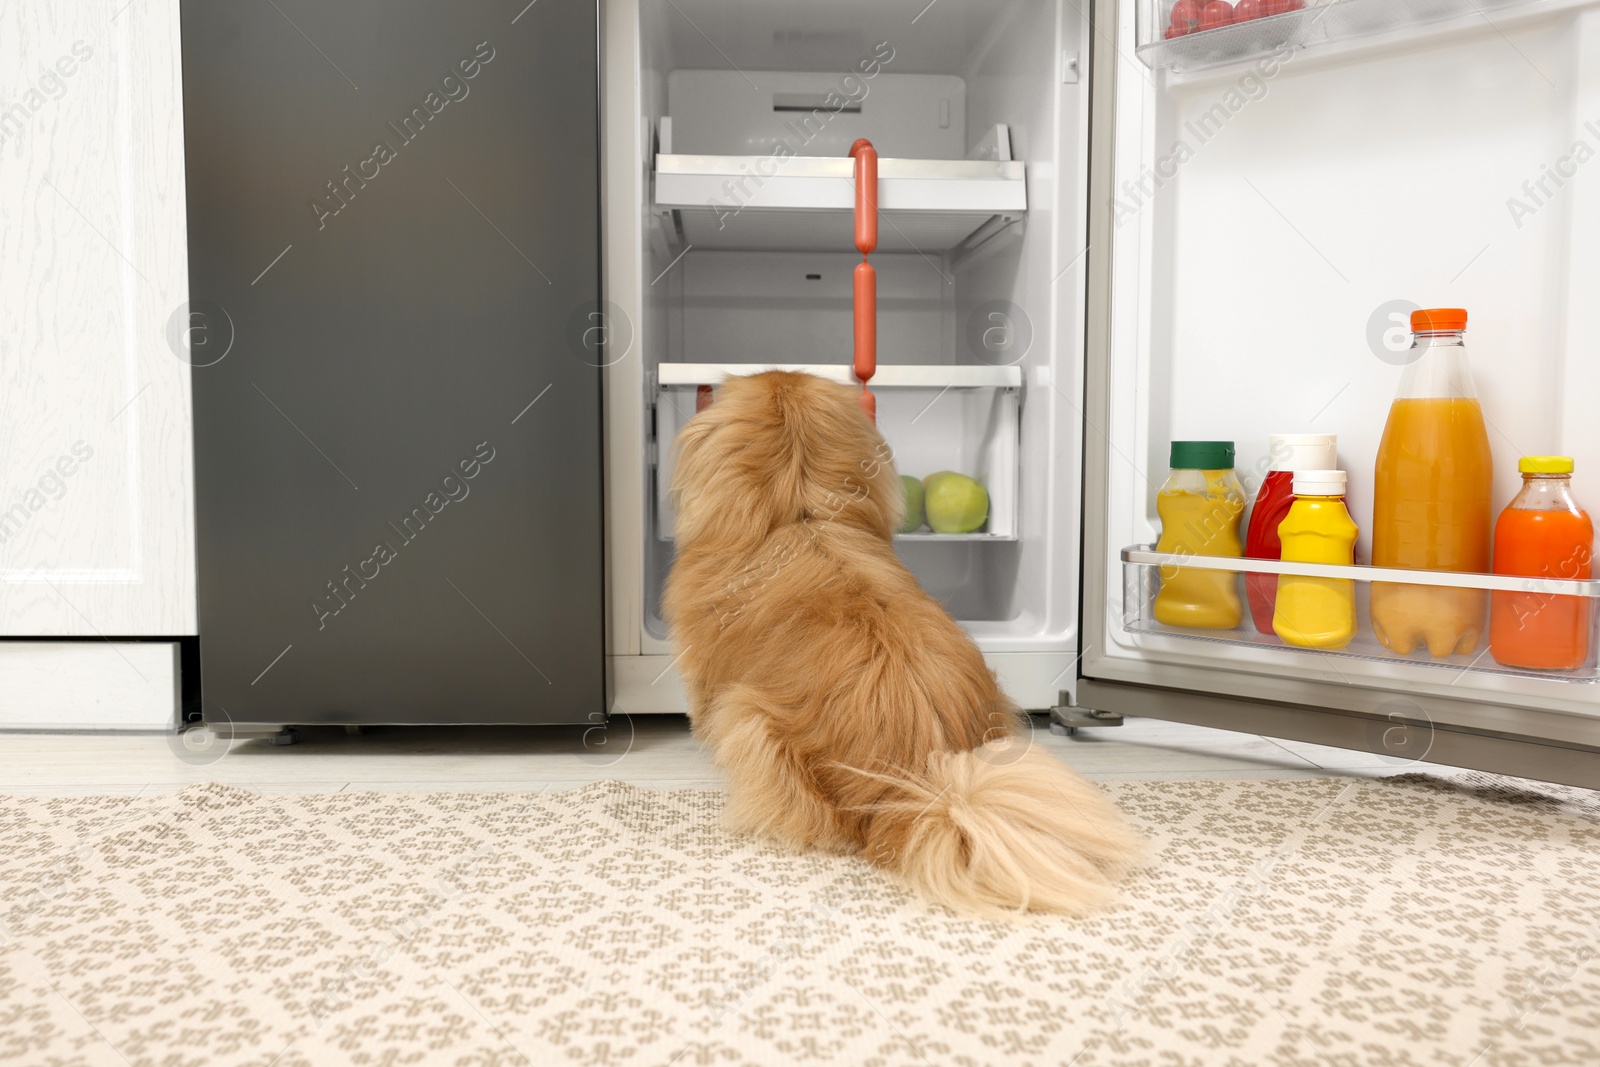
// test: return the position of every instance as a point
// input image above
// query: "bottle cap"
(1303, 451)
(1202, 455)
(1439, 320)
(1545, 464)
(1319, 483)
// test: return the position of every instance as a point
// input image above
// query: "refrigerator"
(393, 212)
(1098, 236)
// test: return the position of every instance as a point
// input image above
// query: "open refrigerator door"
(1272, 194)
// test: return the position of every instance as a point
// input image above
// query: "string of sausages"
(865, 287)
(866, 279)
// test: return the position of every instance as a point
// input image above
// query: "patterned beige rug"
(1318, 922)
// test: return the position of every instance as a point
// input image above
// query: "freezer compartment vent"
(934, 417)
(806, 103)
(1276, 27)
(805, 203)
(1143, 570)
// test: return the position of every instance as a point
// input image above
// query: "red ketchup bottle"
(1288, 452)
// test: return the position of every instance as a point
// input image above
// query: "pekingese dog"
(849, 711)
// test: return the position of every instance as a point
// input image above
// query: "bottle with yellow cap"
(1543, 533)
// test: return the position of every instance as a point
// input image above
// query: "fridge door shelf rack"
(935, 417)
(805, 203)
(1141, 579)
(1315, 24)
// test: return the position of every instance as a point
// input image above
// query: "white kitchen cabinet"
(96, 514)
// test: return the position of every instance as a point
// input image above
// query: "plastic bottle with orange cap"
(1431, 495)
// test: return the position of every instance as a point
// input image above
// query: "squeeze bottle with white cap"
(1317, 612)
(1288, 453)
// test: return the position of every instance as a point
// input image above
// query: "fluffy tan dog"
(847, 708)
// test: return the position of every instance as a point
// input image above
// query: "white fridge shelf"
(1142, 569)
(806, 203)
(962, 418)
(915, 376)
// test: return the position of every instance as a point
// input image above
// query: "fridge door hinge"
(1067, 719)
(1069, 68)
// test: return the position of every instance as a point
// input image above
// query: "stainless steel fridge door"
(1416, 714)
(394, 258)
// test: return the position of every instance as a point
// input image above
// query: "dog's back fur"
(848, 709)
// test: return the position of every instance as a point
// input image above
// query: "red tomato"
(1217, 13)
(1273, 7)
(1174, 31)
(1186, 16)
(1297, 5)
(1245, 10)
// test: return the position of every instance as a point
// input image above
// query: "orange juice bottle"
(1431, 498)
(1200, 506)
(1543, 533)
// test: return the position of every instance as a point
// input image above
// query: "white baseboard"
(89, 685)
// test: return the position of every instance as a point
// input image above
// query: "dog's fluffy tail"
(1002, 829)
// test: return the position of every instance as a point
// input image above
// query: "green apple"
(927, 482)
(955, 503)
(913, 493)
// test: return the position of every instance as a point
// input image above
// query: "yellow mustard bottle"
(1316, 612)
(1200, 506)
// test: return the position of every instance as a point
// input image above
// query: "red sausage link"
(866, 158)
(869, 404)
(866, 321)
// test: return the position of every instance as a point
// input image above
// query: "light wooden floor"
(652, 751)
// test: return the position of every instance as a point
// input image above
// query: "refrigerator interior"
(747, 254)
(1274, 218)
